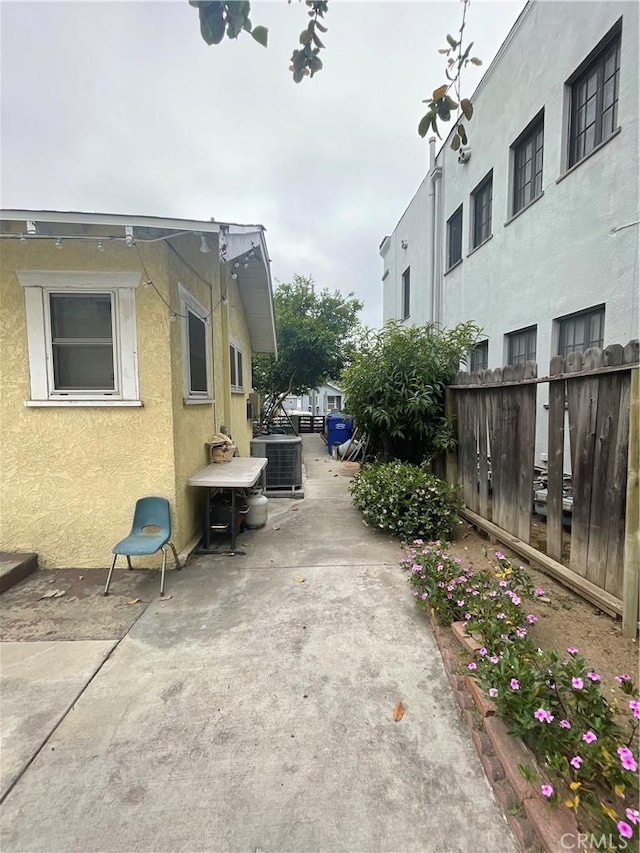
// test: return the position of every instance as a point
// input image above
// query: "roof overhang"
(244, 243)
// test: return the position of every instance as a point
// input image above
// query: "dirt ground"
(567, 620)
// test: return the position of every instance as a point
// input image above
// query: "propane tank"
(258, 509)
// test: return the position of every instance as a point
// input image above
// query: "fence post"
(630, 579)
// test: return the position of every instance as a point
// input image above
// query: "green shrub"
(406, 500)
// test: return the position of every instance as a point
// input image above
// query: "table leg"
(233, 520)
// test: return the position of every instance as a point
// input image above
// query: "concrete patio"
(251, 710)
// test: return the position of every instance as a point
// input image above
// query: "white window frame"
(233, 356)
(189, 303)
(332, 398)
(121, 286)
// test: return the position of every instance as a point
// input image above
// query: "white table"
(241, 472)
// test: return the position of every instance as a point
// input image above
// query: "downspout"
(431, 226)
(436, 237)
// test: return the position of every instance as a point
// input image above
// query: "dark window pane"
(406, 293)
(197, 354)
(482, 212)
(527, 163)
(581, 331)
(81, 316)
(83, 367)
(454, 235)
(594, 100)
(82, 341)
(479, 357)
(240, 382)
(232, 363)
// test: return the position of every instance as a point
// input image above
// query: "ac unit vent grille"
(284, 468)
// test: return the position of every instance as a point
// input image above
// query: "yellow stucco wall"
(69, 477)
(193, 425)
(240, 426)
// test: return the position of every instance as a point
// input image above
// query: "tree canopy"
(316, 332)
(394, 387)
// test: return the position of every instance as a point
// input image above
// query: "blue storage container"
(339, 429)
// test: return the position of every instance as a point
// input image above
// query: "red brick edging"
(534, 823)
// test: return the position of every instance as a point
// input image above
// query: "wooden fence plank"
(451, 399)
(631, 581)
(557, 392)
(617, 491)
(525, 458)
(582, 396)
(483, 467)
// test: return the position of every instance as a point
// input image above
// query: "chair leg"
(129, 562)
(164, 566)
(113, 564)
(175, 554)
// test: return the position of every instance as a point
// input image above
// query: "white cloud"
(121, 107)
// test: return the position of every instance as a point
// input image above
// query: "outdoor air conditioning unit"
(283, 474)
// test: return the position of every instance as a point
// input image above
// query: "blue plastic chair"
(151, 512)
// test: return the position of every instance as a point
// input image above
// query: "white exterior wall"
(303, 402)
(414, 229)
(562, 254)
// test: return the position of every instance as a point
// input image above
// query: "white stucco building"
(535, 235)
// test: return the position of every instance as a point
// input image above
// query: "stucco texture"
(70, 476)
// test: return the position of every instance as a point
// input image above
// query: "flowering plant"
(553, 701)
(405, 500)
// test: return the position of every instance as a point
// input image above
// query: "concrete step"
(14, 567)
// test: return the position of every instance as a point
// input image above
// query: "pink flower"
(572, 650)
(460, 603)
(621, 678)
(424, 596)
(624, 829)
(633, 815)
(501, 615)
(546, 790)
(418, 541)
(482, 651)
(521, 632)
(516, 600)
(500, 555)
(589, 737)
(473, 665)
(514, 684)
(467, 616)
(532, 619)
(504, 636)
(494, 659)
(576, 761)
(543, 716)
(493, 692)
(539, 591)
(565, 724)
(503, 583)
(635, 707)
(577, 683)
(626, 759)
(593, 676)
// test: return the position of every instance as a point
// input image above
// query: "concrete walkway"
(253, 712)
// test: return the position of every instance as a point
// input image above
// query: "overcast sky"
(120, 107)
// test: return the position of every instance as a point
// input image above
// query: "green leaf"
(212, 24)
(475, 61)
(298, 74)
(444, 50)
(425, 124)
(450, 103)
(467, 108)
(452, 41)
(455, 143)
(261, 35)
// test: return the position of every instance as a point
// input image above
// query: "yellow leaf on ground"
(299, 580)
(398, 712)
(133, 601)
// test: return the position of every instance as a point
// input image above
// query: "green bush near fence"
(405, 500)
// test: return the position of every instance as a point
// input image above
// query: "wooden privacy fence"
(596, 396)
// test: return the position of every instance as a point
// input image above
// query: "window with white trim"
(235, 362)
(196, 348)
(334, 401)
(81, 330)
